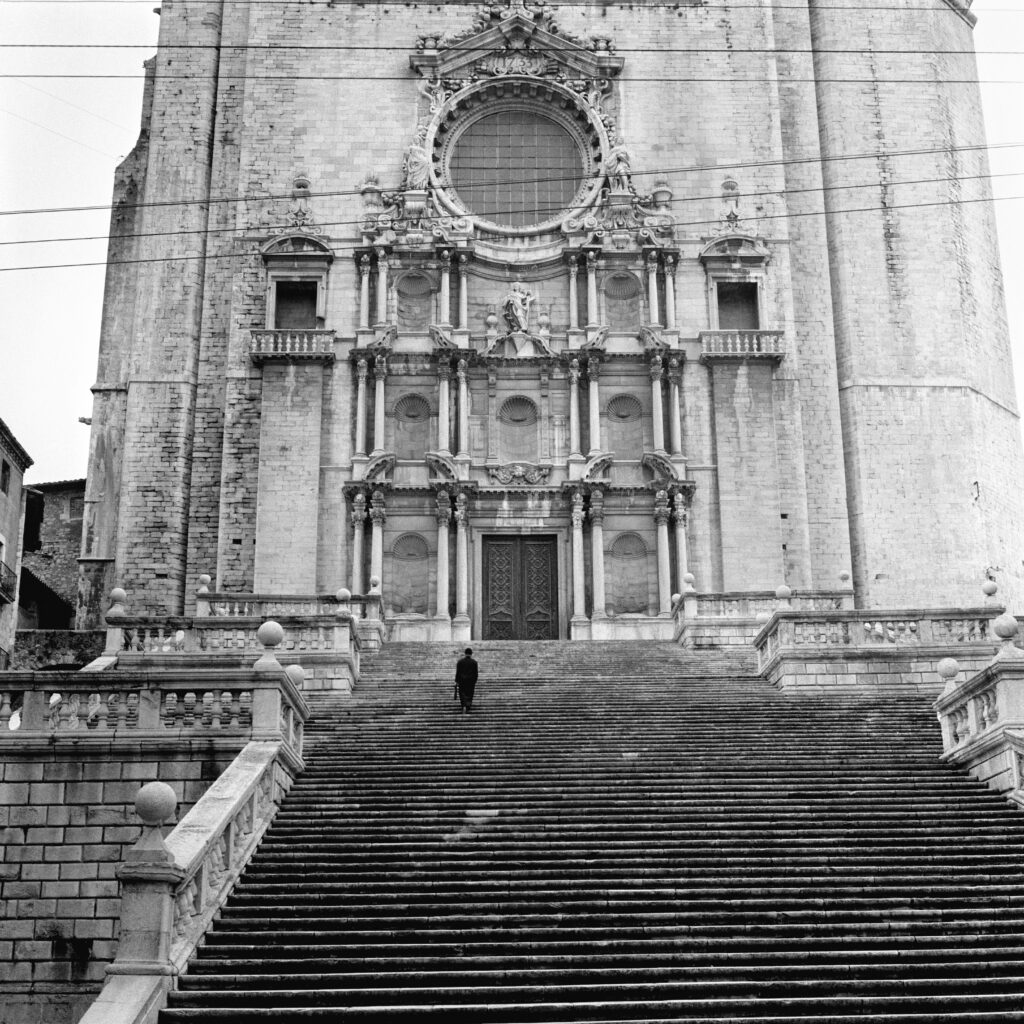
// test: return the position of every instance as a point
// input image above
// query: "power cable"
(692, 169)
(781, 193)
(338, 250)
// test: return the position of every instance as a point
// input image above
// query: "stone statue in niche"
(617, 167)
(516, 308)
(417, 165)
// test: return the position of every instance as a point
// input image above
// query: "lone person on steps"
(465, 679)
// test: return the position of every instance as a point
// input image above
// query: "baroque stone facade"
(531, 314)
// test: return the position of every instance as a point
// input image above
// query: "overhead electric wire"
(243, 232)
(347, 248)
(692, 169)
(473, 4)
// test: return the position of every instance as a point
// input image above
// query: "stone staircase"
(619, 832)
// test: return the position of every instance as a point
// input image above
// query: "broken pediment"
(516, 40)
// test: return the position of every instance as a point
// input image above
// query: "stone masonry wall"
(66, 819)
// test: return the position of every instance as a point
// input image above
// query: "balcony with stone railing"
(742, 345)
(8, 583)
(291, 346)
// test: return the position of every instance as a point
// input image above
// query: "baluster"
(189, 717)
(245, 709)
(214, 696)
(5, 709)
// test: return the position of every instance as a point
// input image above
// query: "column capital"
(461, 510)
(463, 262)
(444, 508)
(574, 371)
(597, 506)
(657, 370)
(362, 369)
(364, 265)
(593, 367)
(462, 369)
(661, 509)
(680, 508)
(577, 510)
(651, 259)
(378, 513)
(382, 256)
(444, 370)
(358, 514)
(591, 260)
(445, 256)
(380, 367)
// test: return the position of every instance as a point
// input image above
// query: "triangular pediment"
(523, 43)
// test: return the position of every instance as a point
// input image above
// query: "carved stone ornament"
(660, 466)
(379, 467)
(441, 337)
(442, 466)
(519, 473)
(519, 345)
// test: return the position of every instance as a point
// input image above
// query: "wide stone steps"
(620, 832)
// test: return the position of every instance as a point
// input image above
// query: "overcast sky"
(61, 138)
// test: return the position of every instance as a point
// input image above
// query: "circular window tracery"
(515, 158)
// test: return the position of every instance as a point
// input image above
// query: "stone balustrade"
(265, 345)
(857, 649)
(173, 888)
(741, 345)
(752, 603)
(139, 707)
(982, 719)
(227, 605)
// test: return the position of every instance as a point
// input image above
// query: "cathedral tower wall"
(924, 362)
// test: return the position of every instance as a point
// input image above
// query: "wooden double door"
(520, 588)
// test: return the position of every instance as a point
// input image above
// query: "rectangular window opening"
(737, 306)
(295, 306)
(5, 477)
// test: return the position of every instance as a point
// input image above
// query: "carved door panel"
(520, 588)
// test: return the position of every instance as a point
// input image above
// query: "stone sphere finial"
(374, 583)
(989, 588)
(1005, 626)
(948, 669)
(783, 593)
(762, 617)
(204, 583)
(676, 598)
(117, 601)
(155, 803)
(343, 595)
(296, 675)
(270, 633)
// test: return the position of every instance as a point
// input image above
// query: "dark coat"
(465, 671)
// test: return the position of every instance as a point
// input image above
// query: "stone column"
(652, 287)
(358, 519)
(597, 551)
(444, 373)
(382, 286)
(657, 412)
(574, 308)
(462, 557)
(463, 292)
(592, 311)
(362, 372)
(462, 370)
(675, 377)
(670, 292)
(378, 515)
(444, 518)
(593, 371)
(380, 371)
(661, 515)
(444, 297)
(680, 514)
(574, 408)
(364, 293)
(579, 593)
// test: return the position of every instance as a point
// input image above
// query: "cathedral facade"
(529, 312)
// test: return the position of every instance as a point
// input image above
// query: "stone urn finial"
(204, 583)
(989, 588)
(783, 595)
(296, 675)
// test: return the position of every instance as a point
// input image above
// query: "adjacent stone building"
(530, 312)
(14, 461)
